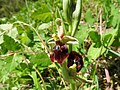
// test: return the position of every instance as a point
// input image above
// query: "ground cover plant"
(59, 45)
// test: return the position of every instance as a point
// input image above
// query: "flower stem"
(72, 86)
(70, 32)
(66, 75)
(70, 29)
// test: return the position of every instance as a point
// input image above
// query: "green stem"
(118, 54)
(65, 74)
(70, 29)
(70, 32)
(72, 86)
(70, 47)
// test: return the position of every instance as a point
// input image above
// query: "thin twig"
(100, 22)
(12, 53)
(6, 55)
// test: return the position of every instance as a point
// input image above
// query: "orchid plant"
(70, 61)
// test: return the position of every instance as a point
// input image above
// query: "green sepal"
(69, 40)
(65, 40)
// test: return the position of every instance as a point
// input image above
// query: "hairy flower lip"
(75, 58)
(58, 60)
(60, 52)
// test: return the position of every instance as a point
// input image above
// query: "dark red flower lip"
(60, 53)
(75, 58)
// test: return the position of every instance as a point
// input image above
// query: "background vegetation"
(24, 63)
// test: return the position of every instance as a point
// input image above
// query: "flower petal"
(69, 40)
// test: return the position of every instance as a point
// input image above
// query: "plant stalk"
(65, 73)
(72, 86)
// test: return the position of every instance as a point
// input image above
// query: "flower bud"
(76, 16)
(67, 9)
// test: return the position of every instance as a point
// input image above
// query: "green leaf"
(40, 59)
(96, 38)
(82, 34)
(42, 14)
(107, 39)
(110, 36)
(45, 17)
(109, 22)
(23, 66)
(10, 63)
(95, 52)
(10, 44)
(25, 39)
(89, 18)
(5, 70)
(116, 15)
(3, 50)
(29, 38)
(117, 40)
(45, 26)
(13, 33)
(6, 26)
(30, 34)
